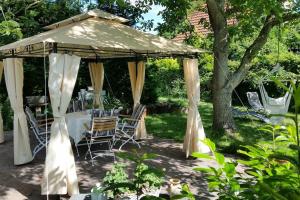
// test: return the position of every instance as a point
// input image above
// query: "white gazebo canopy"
(94, 36)
(96, 33)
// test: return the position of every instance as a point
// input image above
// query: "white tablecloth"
(75, 123)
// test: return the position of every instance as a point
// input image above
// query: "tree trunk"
(222, 93)
(222, 111)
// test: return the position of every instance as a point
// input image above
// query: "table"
(76, 124)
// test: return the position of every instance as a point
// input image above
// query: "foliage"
(116, 175)
(10, 31)
(166, 77)
(145, 177)
(185, 193)
(221, 179)
(271, 172)
(112, 102)
(132, 10)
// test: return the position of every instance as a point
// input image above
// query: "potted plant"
(146, 181)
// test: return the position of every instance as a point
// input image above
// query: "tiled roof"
(196, 18)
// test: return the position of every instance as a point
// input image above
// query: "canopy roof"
(96, 34)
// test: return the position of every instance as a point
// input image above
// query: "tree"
(254, 19)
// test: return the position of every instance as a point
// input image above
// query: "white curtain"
(13, 70)
(60, 171)
(137, 80)
(194, 131)
(1, 120)
(97, 78)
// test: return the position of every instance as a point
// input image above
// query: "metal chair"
(128, 127)
(102, 131)
(40, 129)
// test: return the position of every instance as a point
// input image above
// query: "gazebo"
(93, 36)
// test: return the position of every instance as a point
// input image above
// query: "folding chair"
(128, 127)
(41, 132)
(102, 131)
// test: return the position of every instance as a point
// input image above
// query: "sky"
(153, 14)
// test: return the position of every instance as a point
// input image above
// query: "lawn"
(172, 125)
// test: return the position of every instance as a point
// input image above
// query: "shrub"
(165, 76)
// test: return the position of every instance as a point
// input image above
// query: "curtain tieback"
(18, 110)
(59, 115)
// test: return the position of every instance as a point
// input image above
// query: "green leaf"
(214, 184)
(235, 186)
(219, 158)
(210, 144)
(201, 155)
(281, 138)
(202, 169)
(229, 169)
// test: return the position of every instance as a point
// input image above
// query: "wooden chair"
(129, 125)
(102, 131)
(96, 113)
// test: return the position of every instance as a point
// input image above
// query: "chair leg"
(77, 151)
(89, 144)
(130, 138)
(37, 149)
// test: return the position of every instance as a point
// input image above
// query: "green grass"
(172, 125)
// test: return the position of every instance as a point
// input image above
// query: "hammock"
(275, 106)
(254, 101)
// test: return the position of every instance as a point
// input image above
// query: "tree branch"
(256, 46)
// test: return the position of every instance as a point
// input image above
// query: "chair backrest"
(33, 123)
(30, 117)
(100, 124)
(137, 114)
(96, 113)
(36, 100)
(77, 107)
(254, 101)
